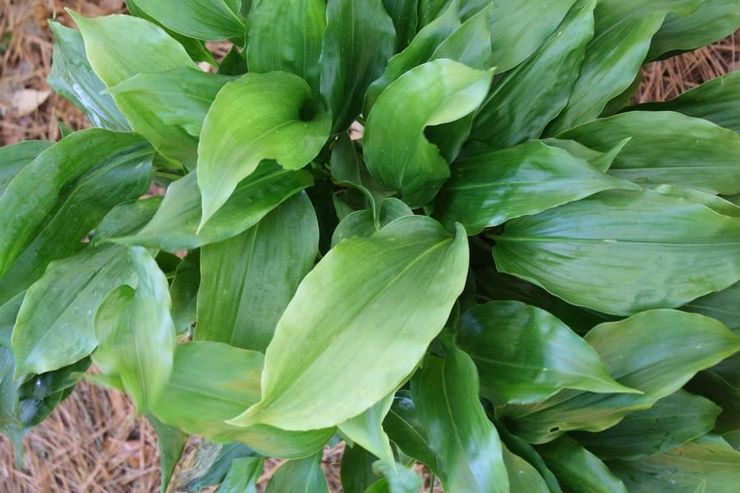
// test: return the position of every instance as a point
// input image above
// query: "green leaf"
(721, 305)
(468, 449)
(73, 78)
(470, 43)
(299, 476)
(488, 189)
(287, 36)
(212, 382)
(15, 157)
(532, 95)
(397, 152)
(122, 175)
(405, 15)
(363, 223)
(55, 325)
(260, 270)
(359, 40)
(519, 350)
(602, 161)
(366, 429)
(520, 28)
(175, 225)
(136, 332)
(522, 476)
(578, 470)
(515, 445)
(148, 48)
(171, 443)
(712, 21)
(233, 63)
(662, 251)
(656, 352)
(180, 97)
(212, 463)
(657, 152)
(717, 100)
(184, 293)
(404, 428)
(414, 267)
(263, 112)
(701, 466)
(672, 421)
(396, 479)
(210, 20)
(125, 218)
(356, 469)
(242, 476)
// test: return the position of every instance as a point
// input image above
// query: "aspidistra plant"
(433, 229)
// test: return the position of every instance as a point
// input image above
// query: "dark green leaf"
(171, 443)
(233, 63)
(242, 476)
(212, 463)
(126, 218)
(184, 293)
(407, 432)
(522, 476)
(356, 470)
(722, 305)
(396, 479)
(15, 157)
(248, 280)
(405, 15)
(363, 223)
(73, 78)
(210, 20)
(299, 476)
(414, 267)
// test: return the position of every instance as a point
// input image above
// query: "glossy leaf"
(656, 352)
(263, 113)
(468, 449)
(412, 266)
(486, 190)
(578, 470)
(662, 251)
(397, 152)
(405, 429)
(210, 20)
(526, 355)
(523, 450)
(366, 429)
(175, 225)
(212, 382)
(243, 476)
(671, 422)
(702, 466)
(405, 16)
(522, 476)
(356, 469)
(529, 97)
(180, 97)
(364, 223)
(73, 78)
(125, 218)
(721, 305)
(287, 36)
(301, 476)
(657, 152)
(184, 293)
(470, 43)
(15, 157)
(602, 161)
(248, 280)
(396, 479)
(151, 50)
(359, 40)
(717, 100)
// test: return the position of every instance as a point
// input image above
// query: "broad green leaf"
(356, 469)
(184, 293)
(712, 21)
(401, 283)
(396, 479)
(671, 422)
(15, 157)
(80, 204)
(299, 476)
(358, 42)
(522, 476)
(532, 95)
(242, 476)
(405, 15)
(212, 382)
(404, 428)
(137, 334)
(210, 20)
(431, 9)
(520, 352)
(396, 149)
(661, 251)
(151, 49)
(524, 450)
(180, 97)
(578, 470)
(520, 28)
(248, 280)
(717, 100)
(287, 36)
(722, 305)
(73, 78)
(714, 202)
(486, 190)
(470, 43)
(367, 431)
(657, 152)
(468, 449)
(703, 466)
(55, 325)
(364, 223)
(171, 444)
(602, 161)
(43, 185)
(263, 112)
(656, 352)
(125, 218)
(175, 225)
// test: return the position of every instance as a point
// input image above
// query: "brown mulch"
(94, 442)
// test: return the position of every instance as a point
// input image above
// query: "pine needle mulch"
(94, 442)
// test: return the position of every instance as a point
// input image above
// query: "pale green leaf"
(210, 20)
